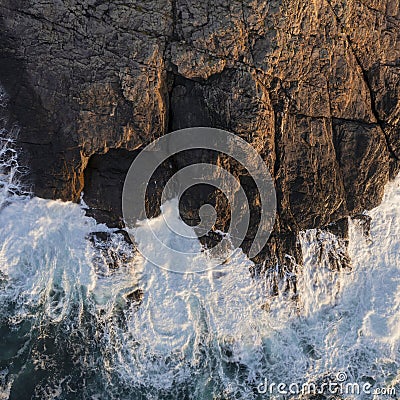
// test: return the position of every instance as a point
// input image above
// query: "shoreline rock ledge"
(313, 86)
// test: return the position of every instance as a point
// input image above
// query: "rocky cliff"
(312, 85)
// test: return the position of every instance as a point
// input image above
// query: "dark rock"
(103, 182)
(135, 297)
(362, 156)
(112, 249)
(364, 221)
(339, 228)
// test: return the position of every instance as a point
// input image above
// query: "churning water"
(87, 319)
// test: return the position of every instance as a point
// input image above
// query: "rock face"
(313, 86)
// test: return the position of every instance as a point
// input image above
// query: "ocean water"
(87, 319)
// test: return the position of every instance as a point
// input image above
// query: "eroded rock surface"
(313, 86)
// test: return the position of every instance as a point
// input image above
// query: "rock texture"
(312, 85)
